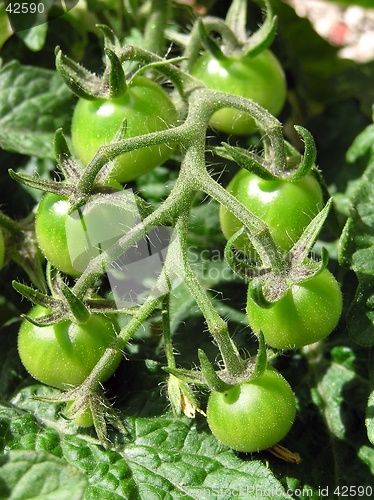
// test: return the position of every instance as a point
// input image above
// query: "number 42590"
(25, 8)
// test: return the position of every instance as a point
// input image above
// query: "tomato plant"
(64, 354)
(146, 108)
(254, 415)
(70, 241)
(308, 312)
(178, 295)
(287, 207)
(260, 78)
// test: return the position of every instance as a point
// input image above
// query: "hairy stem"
(154, 39)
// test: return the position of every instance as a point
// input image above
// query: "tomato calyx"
(79, 185)
(19, 245)
(92, 408)
(87, 85)
(86, 407)
(269, 282)
(260, 39)
(235, 41)
(63, 303)
(224, 379)
(181, 397)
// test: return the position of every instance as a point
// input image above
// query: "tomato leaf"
(34, 102)
(160, 456)
(357, 245)
(32, 472)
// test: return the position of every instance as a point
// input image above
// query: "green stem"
(204, 102)
(154, 38)
(184, 82)
(260, 234)
(111, 151)
(193, 176)
(217, 326)
(10, 225)
(192, 51)
(168, 346)
(179, 198)
(92, 381)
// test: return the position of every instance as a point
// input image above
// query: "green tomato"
(146, 107)
(69, 242)
(254, 415)
(63, 355)
(287, 207)
(259, 78)
(307, 313)
(2, 249)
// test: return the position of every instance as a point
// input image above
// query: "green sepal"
(76, 306)
(324, 260)
(346, 245)
(158, 64)
(334, 223)
(80, 81)
(47, 320)
(35, 296)
(114, 76)
(209, 44)
(240, 265)
(299, 252)
(86, 84)
(187, 394)
(80, 400)
(22, 247)
(106, 306)
(298, 267)
(307, 160)
(236, 19)
(213, 381)
(264, 36)
(256, 293)
(68, 166)
(261, 358)
(50, 186)
(121, 132)
(6, 222)
(312, 268)
(111, 41)
(245, 159)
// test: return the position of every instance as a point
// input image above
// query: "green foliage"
(34, 103)
(145, 450)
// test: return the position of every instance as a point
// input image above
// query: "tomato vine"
(146, 133)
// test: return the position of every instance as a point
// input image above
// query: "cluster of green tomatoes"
(257, 414)
(250, 416)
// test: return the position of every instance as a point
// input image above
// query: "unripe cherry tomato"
(308, 312)
(146, 107)
(259, 78)
(69, 242)
(63, 354)
(287, 207)
(254, 415)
